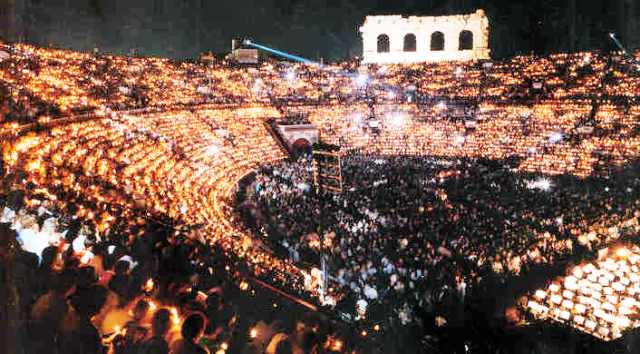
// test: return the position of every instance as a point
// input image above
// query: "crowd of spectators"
(407, 225)
(160, 293)
(123, 142)
(553, 137)
(118, 171)
(294, 119)
(43, 83)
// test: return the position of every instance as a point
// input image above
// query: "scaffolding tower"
(327, 170)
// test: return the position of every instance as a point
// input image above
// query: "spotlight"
(556, 137)
(543, 184)
(290, 75)
(362, 79)
(396, 120)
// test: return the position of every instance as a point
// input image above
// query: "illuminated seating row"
(167, 164)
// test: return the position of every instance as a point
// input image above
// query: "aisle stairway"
(271, 128)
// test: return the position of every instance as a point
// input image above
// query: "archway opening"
(410, 42)
(301, 147)
(383, 43)
(466, 40)
(437, 41)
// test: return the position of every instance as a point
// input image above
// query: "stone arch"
(410, 42)
(437, 41)
(383, 43)
(301, 146)
(465, 40)
(437, 38)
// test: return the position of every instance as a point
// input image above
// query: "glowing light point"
(555, 137)
(396, 120)
(542, 183)
(290, 75)
(362, 80)
(622, 252)
(459, 140)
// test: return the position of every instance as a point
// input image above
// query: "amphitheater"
(119, 141)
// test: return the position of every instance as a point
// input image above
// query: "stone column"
(451, 37)
(396, 41)
(423, 40)
(369, 43)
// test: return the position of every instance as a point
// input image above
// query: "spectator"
(192, 330)
(84, 337)
(160, 324)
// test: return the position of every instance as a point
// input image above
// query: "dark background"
(312, 28)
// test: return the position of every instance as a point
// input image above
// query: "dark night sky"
(313, 28)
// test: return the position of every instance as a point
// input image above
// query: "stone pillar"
(423, 41)
(451, 39)
(369, 44)
(481, 44)
(396, 42)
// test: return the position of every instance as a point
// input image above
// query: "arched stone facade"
(301, 146)
(383, 44)
(296, 133)
(437, 38)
